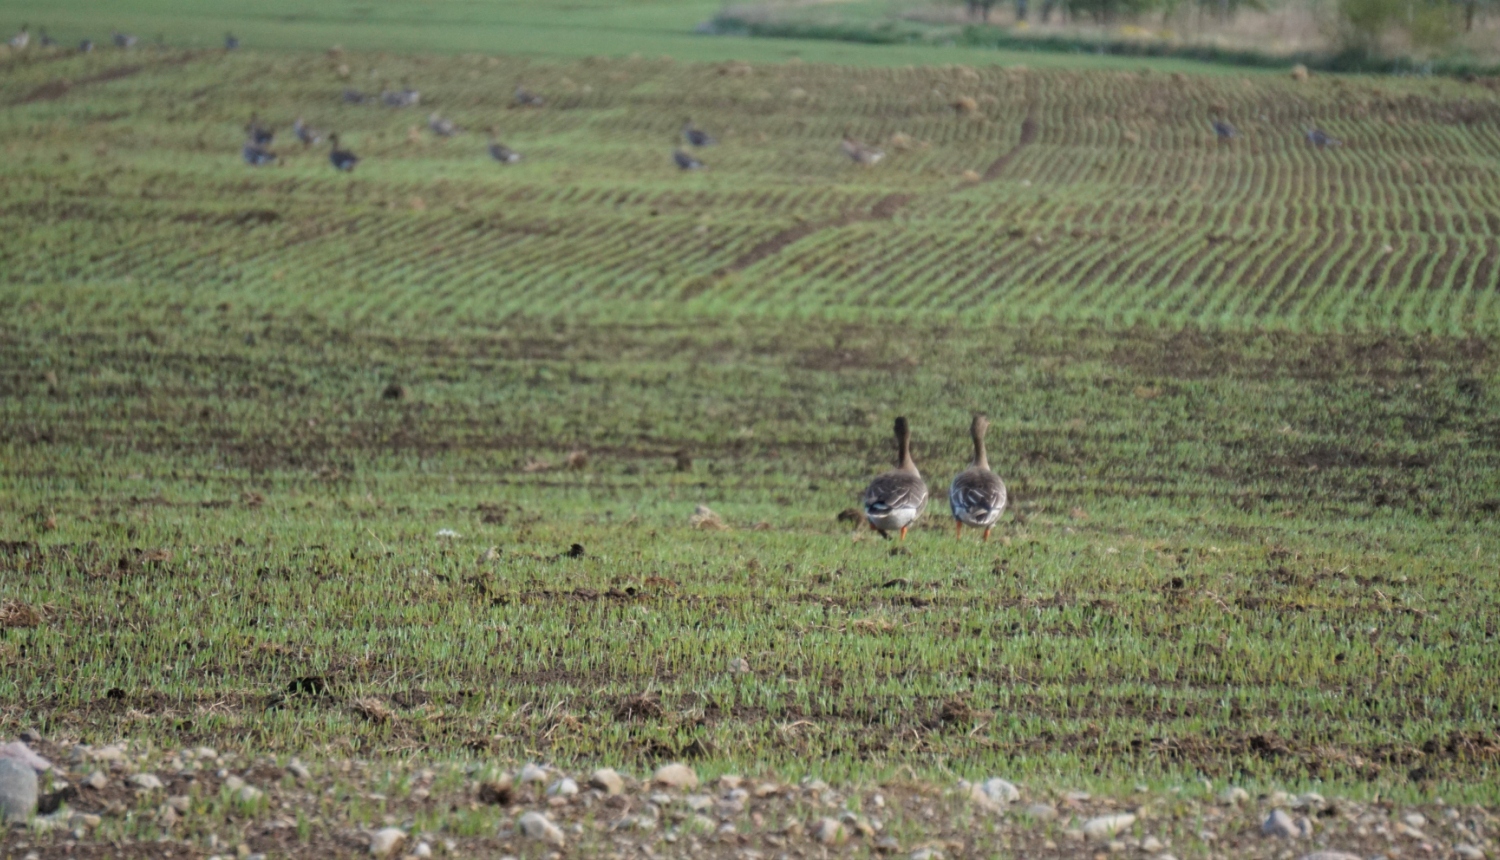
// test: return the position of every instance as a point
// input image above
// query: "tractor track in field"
(884, 210)
(59, 87)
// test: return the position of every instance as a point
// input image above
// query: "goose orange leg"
(960, 531)
(986, 535)
(903, 532)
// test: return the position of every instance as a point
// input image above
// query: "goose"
(695, 136)
(85, 46)
(685, 161)
(528, 99)
(977, 495)
(502, 153)
(404, 97)
(1224, 130)
(258, 133)
(45, 40)
(342, 159)
(305, 134)
(255, 155)
(860, 153)
(123, 40)
(1320, 138)
(230, 42)
(21, 39)
(895, 499)
(442, 127)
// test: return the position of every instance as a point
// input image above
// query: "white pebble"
(563, 788)
(146, 781)
(1106, 826)
(387, 841)
(535, 825)
(677, 776)
(1279, 824)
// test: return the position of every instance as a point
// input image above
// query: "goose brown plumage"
(895, 499)
(977, 496)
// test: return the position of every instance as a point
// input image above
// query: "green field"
(1244, 397)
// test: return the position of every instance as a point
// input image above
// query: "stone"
(296, 768)
(387, 841)
(1151, 844)
(1042, 811)
(698, 802)
(206, 752)
(926, 854)
(423, 850)
(96, 780)
(1279, 824)
(1234, 796)
(1415, 819)
(247, 794)
(563, 788)
(676, 775)
(17, 791)
(830, 831)
(535, 825)
(1105, 827)
(1313, 799)
(180, 802)
(995, 791)
(19, 751)
(531, 773)
(1468, 852)
(147, 781)
(1330, 855)
(606, 780)
(739, 666)
(234, 783)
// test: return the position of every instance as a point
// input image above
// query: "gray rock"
(1042, 811)
(1278, 823)
(17, 790)
(564, 787)
(531, 773)
(1468, 852)
(1415, 819)
(1330, 855)
(1233, 796)
(19, 751)
(997, 791)
(535, 825)
(830, 831)
(96, 780)
(1106, 826)
(296, 768)
(146, 781)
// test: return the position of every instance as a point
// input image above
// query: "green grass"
(525, 28)
(1252, 451)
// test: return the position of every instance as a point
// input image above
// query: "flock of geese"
(124, 41)
(1315, 136)
(895, 499)
(259, 137)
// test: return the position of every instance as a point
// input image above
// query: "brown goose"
(895, 499)
(977, 496)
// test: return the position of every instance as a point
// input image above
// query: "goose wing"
(979, 493)
(893, 491)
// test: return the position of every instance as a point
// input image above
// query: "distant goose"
(859, 153)
(1224, 130)
(230, 42)
(21, 39)
(528, 99)
(404, 97)
(45, 40)
(259, 134)
(1320, 138)
(85, 46)
(305, 134)
(695, 136)
(441, 127)
(342, 159)
(977, 495)
(895, 499)
(255, 155)
(123, 40)
(354, 97)
(685, 161)
(502, 153)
